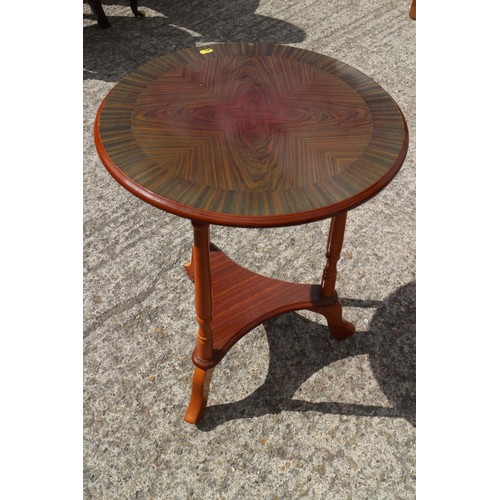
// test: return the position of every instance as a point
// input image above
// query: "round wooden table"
(250, 135)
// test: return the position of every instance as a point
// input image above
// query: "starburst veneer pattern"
(251, 135)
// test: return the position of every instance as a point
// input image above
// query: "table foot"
(339, 328)
(199, 394)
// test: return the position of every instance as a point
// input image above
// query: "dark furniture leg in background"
(98, 11)
(102, 20)
(133, 6)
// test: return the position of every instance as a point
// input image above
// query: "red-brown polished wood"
(339, 328)
(199, 394)
(334, 247)
(255, 135)
(203, 290)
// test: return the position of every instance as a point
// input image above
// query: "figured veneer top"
(255, 135)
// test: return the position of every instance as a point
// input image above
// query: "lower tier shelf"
(243, 300)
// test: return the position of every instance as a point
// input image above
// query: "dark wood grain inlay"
(251, 135)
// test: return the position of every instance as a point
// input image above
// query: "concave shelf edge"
(243, 299)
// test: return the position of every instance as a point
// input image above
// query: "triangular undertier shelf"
(243, 300)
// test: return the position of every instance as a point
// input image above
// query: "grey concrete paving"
(292, 413)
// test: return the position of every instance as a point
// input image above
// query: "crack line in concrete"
(123, 306)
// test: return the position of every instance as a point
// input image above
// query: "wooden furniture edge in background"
(413, 9)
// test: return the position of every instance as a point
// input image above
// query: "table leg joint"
(339, 328)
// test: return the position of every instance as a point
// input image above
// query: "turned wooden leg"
(339, 328)
(203, 294)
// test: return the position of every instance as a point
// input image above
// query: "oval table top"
(250, 135)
